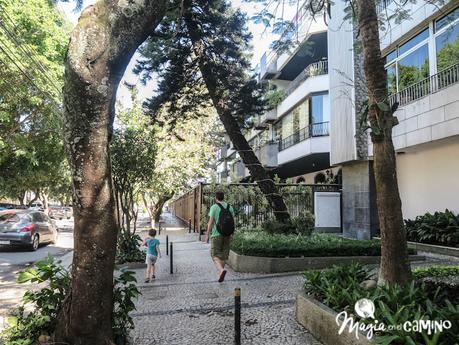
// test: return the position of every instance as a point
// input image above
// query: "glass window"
(391, 56)
(449, 18)
(303, 110)
(413, 67)
(317, 109)
(287, 126)
(447, 45)
(392, 79)
(414, 41)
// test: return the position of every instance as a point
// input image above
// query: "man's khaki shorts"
(220, 247)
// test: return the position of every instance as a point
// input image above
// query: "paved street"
(13, 260)
(190, 307)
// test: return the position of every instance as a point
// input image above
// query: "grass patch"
(259, 243)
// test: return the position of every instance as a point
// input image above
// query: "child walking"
(153, 253)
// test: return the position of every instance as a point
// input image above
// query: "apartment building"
(292, 140)
(315, 128)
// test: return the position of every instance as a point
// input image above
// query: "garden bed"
(257, 251)
(335, 291)
(259, 243)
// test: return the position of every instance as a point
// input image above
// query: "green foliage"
(259, 243)
(47, 302)
(125, 292)
(129, 248)
(32, 155)
(339, 288)
(275, 97)
(25, 327)
(438, 228)
(301, 225)
(436, 271)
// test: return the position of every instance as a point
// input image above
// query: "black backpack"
(225, 224)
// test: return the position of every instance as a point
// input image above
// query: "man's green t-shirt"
(214, 212)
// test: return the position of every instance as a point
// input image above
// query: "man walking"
(220, 229)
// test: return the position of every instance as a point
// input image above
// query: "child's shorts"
(151, 259)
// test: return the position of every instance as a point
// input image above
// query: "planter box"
(433, 248)
(260, 264)
(320, 321)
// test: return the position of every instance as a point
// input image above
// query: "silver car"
(26, 228)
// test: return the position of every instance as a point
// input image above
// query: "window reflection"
(414, 67)
(447, 45)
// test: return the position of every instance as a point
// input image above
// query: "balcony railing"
(313, 130)
(427, 86)
(381, 5)
(312, 70)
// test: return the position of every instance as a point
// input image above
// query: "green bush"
(25, 328)
(436, 271)
(301, 225)
(438, 228)
(339, 288)
(259, 243)
(304, 224)
(129, 248)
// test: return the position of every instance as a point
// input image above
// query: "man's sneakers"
(147, 280)
(222, 276)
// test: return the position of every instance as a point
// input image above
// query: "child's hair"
(152, 232)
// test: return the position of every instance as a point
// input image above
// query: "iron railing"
(312, 130)
(312, 70)
(427, 86)
(381, 5)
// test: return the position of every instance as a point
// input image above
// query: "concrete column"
(360, 218)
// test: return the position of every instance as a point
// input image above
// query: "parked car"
(60, 212)
(26, 228)
(36, 206)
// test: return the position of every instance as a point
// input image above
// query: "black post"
(159, 228)
(167, 244)
(189, 225)
(237, 316)
(171, 259)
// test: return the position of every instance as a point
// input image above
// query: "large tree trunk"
(101, 46)
(223, 106)
(395, 267)
(158, 208)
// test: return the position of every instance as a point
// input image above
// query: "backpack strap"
(221, 206)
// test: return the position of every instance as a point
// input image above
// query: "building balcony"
(239, 170)
(267, 154)
(428, 110)
(312, 70)
(313, 130)
(261, 122)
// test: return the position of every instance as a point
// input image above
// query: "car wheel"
(35, 243)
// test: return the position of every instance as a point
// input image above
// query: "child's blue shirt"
(151, 244)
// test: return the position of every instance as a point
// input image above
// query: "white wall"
(428, 178)
(304, 148)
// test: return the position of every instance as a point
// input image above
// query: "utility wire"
(26, 49)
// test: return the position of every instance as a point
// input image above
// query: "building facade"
(313, 133)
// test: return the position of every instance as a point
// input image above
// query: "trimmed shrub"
(439, 228)
(260, 243)
(301, 225)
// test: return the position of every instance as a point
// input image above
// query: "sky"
(261, 40)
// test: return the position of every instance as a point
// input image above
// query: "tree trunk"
(45, 199)
(149, 209)
(158, 208)
(223, 106)
(35, 197)
(395, 267)
(100, 48)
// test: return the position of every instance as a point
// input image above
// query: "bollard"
(167, 244)
(189, 225)
(159, 228)
(237, 316)
(171, 258)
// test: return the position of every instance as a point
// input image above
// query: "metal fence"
(250, 205)
(427, 86)
(312, 70)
